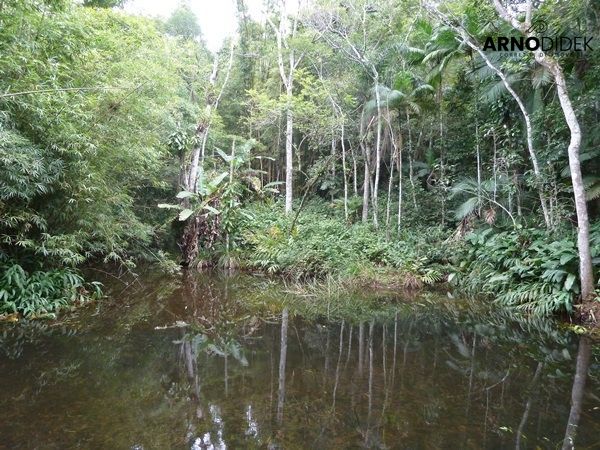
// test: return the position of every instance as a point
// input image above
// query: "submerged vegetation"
(369, 144)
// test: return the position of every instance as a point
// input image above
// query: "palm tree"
(404, 99)
(439, 48)
(481, 196)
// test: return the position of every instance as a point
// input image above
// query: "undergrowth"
(525, 269)
(42, 293)
(320, 246)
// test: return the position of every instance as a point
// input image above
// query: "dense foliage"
(523, 268)
(404, 156)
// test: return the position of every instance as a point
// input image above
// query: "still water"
(231, 362)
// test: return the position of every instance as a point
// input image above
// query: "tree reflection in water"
(584, 353)
(410, 376)
(480, 363)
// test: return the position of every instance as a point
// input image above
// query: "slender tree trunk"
(395, 158)
(216, 105)
(442, 151)
(410, 160)
(399, 163)
(411, 179)
(494, 165)
(389, 196)
(200, 133)
(289, 156)
(583, 225)
(377, 156)
(477, 149)
(354, 172)
(366, 180)
(333, 145)
(288, 82)
(183, 171)
(345, 173)
(366, 191)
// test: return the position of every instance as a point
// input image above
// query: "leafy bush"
(525, 269)
(41, 293)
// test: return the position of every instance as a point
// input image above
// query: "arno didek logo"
(538, 39)
(552, 44)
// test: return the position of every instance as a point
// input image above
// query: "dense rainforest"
(354, 143)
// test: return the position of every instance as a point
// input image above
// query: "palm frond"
(466, 209)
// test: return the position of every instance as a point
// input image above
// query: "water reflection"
(282, 362)
(201, 369)
(577, 392)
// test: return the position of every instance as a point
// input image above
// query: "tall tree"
(284, 33)
(183, 23)
(524, 26)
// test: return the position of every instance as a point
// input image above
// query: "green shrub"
(526, 269)
(41, 293)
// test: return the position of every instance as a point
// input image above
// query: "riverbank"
(317, 253)
(525, 269)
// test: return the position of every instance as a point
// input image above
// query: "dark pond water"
(214, 362)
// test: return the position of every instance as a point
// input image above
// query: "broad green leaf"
(224, 155)
(183, 215)
(564, 259)
(569, 281)
(212, 210)
(185, 194)
(214, 183)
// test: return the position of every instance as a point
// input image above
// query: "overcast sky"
(216, 17)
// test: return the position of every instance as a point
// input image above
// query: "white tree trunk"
(354, 172)
(345, 173)
(583, 225)
(201, 131)
(289, 155)
(399, 163)
(366, 183)
(389, 197)
(288, 82)
(204, 126)
(377, 156)
(410, 159)
(366, 180)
